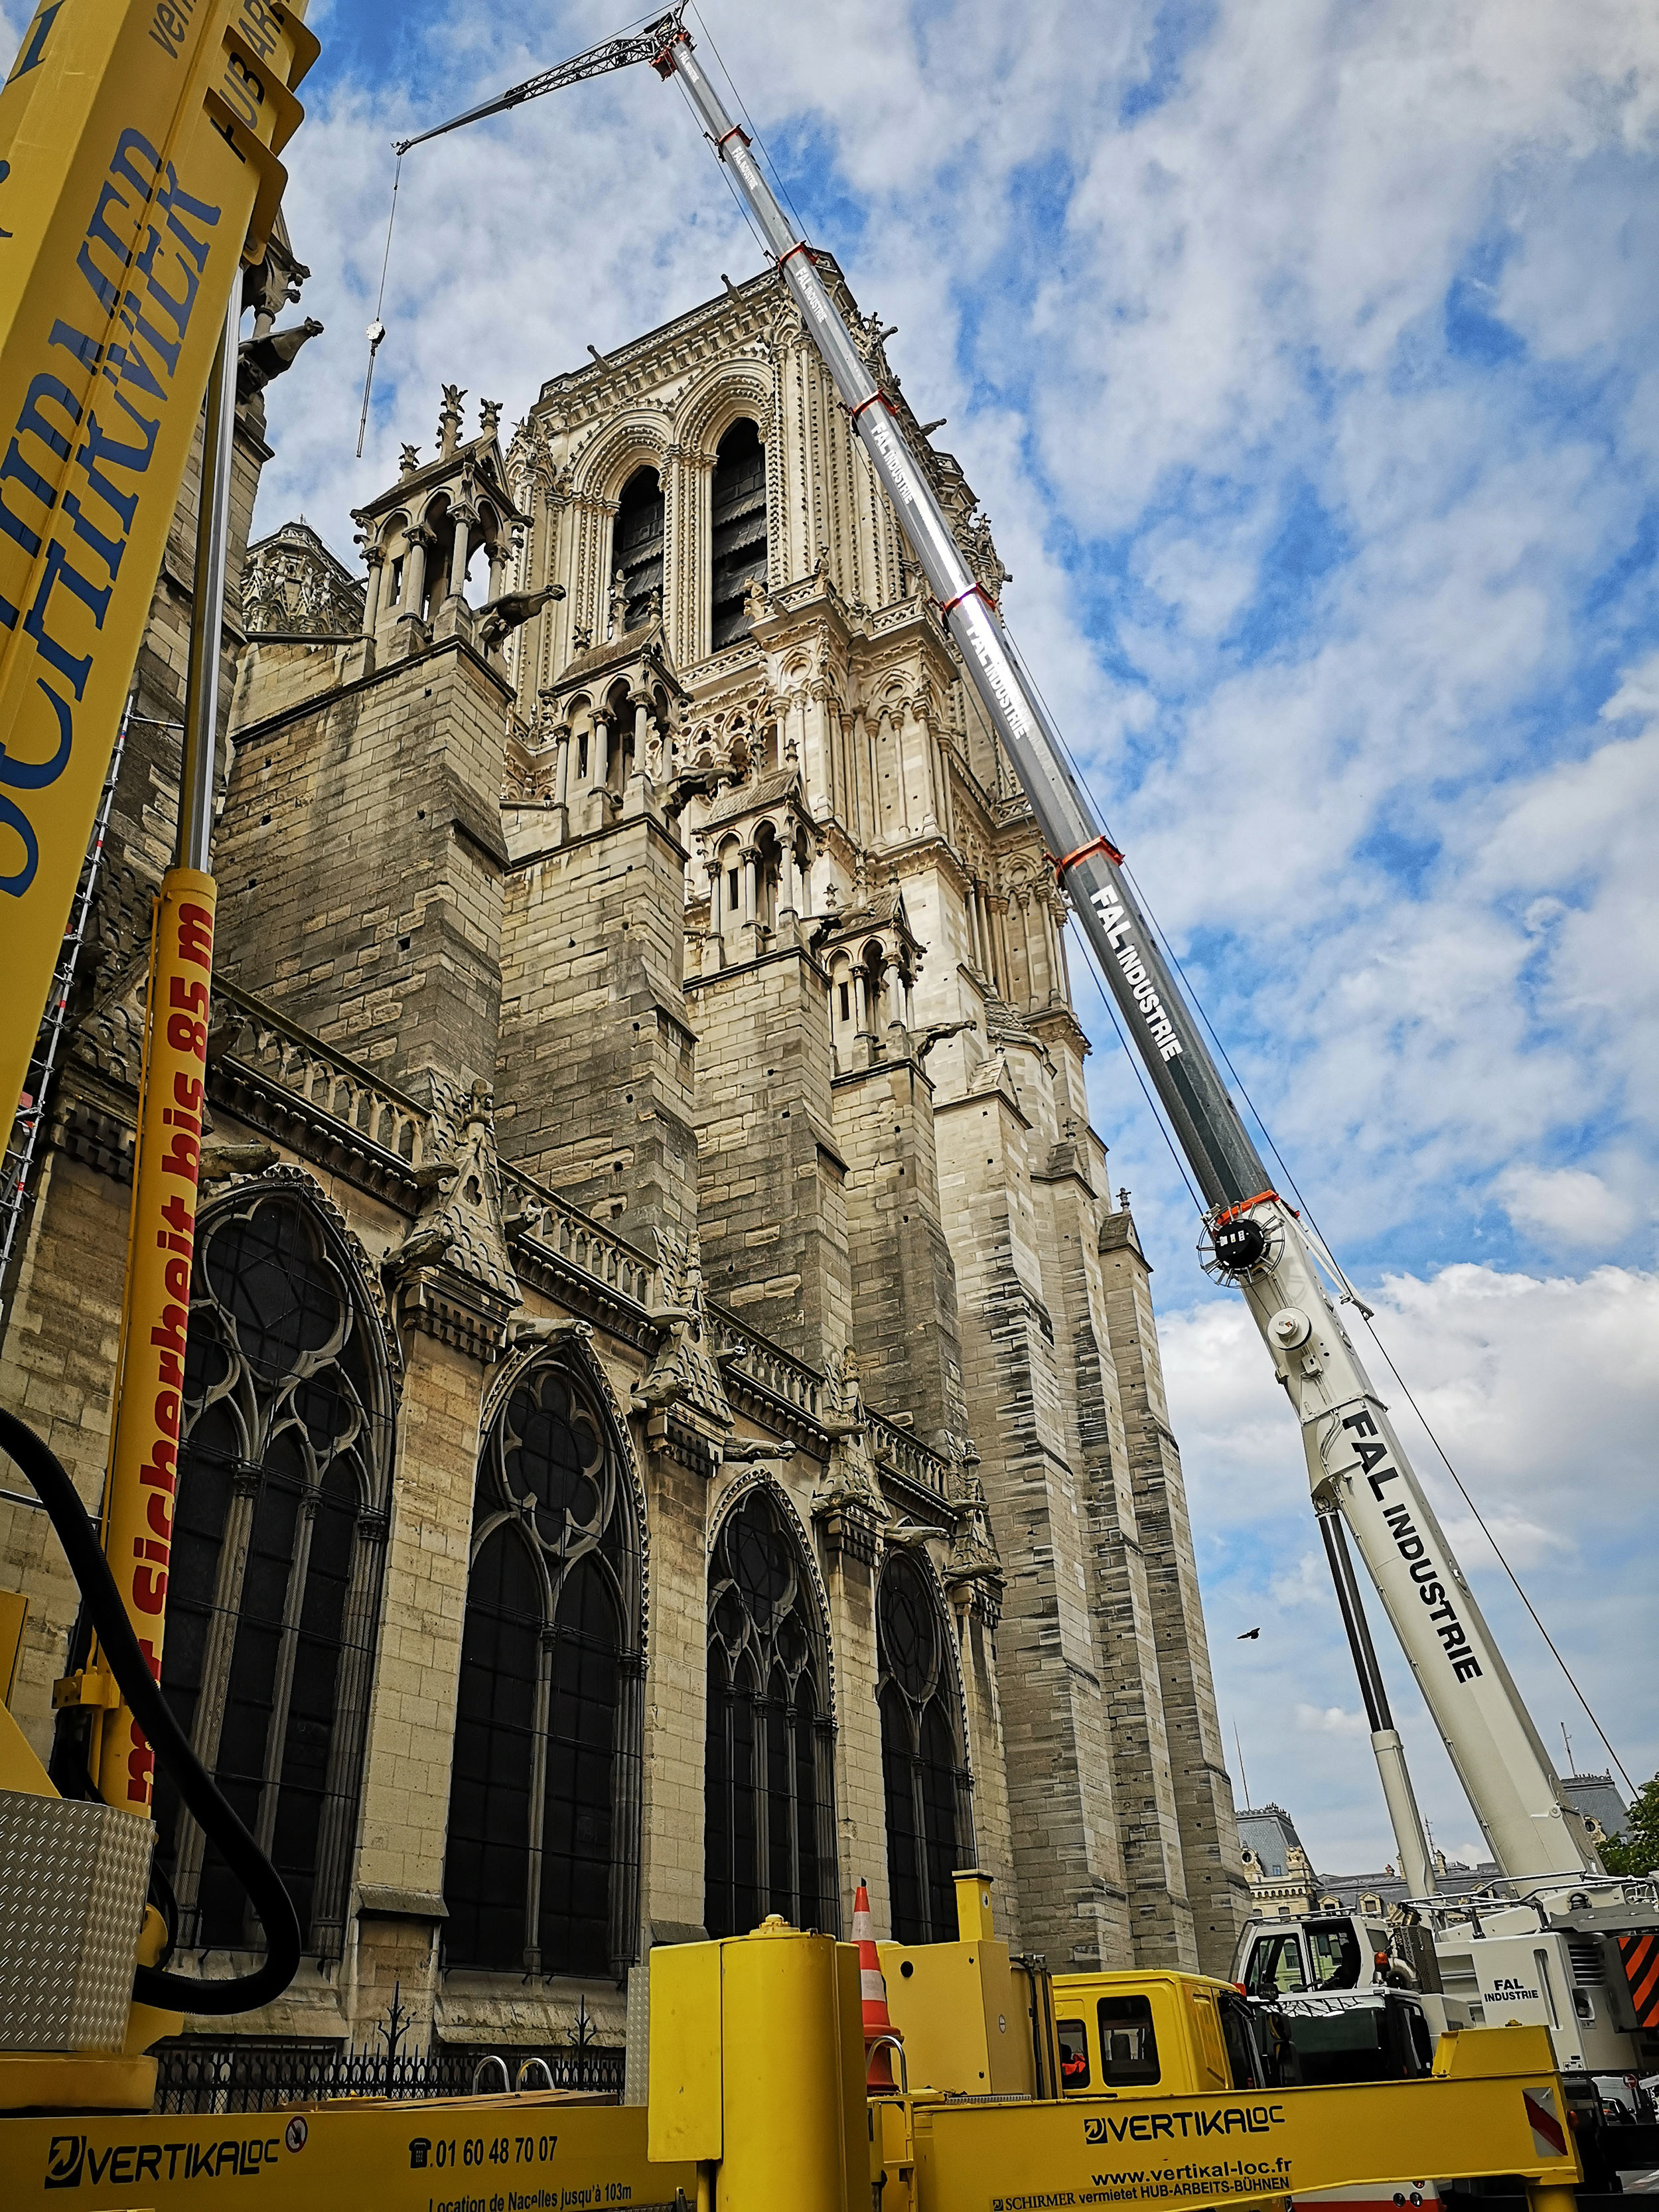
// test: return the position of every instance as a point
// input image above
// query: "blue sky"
(1305, 358)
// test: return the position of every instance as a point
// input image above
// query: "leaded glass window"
(769, 1790)
(279, 1528)
(924, 1776)
(541, 1868)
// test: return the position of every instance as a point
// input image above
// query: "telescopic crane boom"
(1356, 1466)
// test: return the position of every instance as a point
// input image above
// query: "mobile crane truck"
(757, 2066)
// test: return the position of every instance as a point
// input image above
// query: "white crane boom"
(1355, 1463)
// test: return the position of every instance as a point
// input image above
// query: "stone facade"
(641, 1020)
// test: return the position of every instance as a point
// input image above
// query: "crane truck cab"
(1142, 2033)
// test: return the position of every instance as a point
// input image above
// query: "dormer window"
(638, 543)
(739, 531)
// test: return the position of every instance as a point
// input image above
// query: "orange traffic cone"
(873, 1989)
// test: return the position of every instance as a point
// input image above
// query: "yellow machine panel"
(757, 2060)
(965, 2013)
(1496, 2110)
(531, 2153)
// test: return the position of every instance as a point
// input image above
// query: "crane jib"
(1435, 1583)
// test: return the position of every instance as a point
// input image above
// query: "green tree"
(1636, 1851)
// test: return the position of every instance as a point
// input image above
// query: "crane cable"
(376, 330)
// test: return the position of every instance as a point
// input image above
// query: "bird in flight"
(1248, 1637)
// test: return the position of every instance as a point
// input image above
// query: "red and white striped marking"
(1549, 2138)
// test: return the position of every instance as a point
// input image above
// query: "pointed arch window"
(738, 524)
(278, 1545)
(638, 540)
(924, 1774)
(541, 1865)
(769, 1790)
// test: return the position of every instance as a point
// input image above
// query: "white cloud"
(1570, 1205)
(1331, 1720)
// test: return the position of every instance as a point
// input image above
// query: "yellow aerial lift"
(137, 173)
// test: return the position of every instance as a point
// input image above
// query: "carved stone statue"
(449, 420)
(685, 1373)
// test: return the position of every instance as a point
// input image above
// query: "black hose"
(172, 1748)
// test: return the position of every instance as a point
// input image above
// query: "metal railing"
(248, 2073)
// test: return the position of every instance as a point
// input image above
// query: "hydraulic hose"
(200, 1792)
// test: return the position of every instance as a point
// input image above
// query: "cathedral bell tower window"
(638, 541)
(924, 1776)
(738, 520)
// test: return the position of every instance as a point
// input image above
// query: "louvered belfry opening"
(769, 1790)
(279, 1542)
(638, 544)
(740, 531)
(925, 1778)
(541, 1866)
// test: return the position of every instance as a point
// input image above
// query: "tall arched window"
(279, 1528)
(769, 1790)
(541, 1865)
(739, 522)
(638, 541)
(924, 1777)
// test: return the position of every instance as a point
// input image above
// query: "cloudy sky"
(1303, 356)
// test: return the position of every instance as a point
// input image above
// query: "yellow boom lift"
(138, 173)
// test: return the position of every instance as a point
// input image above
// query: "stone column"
(375, 557)
(458, 554)
(418, 540)
(751, 859)
(497, 568)
(598, 754)
(861, 999)
(399, 1872)
(999, 948)
(711, 944)
(787, 880)
(640, 703)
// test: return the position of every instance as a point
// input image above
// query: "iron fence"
(249, 2074)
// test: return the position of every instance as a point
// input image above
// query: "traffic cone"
(873, 1991)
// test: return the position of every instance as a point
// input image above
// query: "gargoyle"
(936, 1033)
(502, 616)
(911, 1535)
(419, 1249)
(259, 360)
(756, 1448)
(553, 1328)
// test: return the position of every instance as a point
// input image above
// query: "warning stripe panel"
(1640, 1958)
(1549, 2138)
